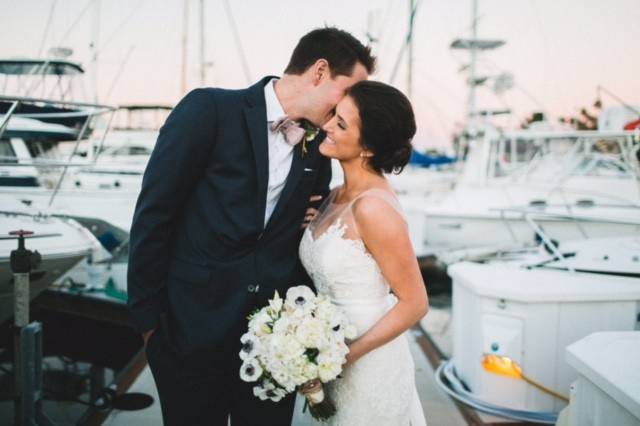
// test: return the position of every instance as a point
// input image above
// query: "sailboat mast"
(203, 71)
(94, 49)
(410, 49)
(472, 115)
(185, 40)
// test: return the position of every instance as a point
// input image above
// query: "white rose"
(258, 323)
(312, 333)
(283, 325)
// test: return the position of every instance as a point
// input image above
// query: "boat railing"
(532, 216)
(80, 110)
(623, 146)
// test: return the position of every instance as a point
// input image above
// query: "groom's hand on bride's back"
(312, 210)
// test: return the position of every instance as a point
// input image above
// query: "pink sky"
(557, 50)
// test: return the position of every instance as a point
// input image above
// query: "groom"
(217, 225)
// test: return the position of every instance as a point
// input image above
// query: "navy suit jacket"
(200, 256)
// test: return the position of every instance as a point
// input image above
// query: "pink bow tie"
(291, 130)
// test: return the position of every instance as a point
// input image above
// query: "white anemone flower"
(250, 345)
(300, 298)
(250, 370)
(269, 391)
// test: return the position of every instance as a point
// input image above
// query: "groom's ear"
(320, 70)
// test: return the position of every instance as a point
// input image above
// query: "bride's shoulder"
(377, 207)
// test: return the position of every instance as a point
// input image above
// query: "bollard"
(27, 339)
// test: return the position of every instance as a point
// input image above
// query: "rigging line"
(439, 85)
(384, 29)
(119, 27)
(236, 36)
(47, 26)
(523, 90)
(82, 12)
(442, 117)
(117, 77)
(386, 43)
(600, 88)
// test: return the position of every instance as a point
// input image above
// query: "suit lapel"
(256, 118)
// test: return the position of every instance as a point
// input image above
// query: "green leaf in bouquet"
(312, 354)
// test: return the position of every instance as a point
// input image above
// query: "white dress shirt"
(280, 152)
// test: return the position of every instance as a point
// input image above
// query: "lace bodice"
(336, 257)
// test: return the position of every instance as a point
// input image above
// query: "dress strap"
(383, 194)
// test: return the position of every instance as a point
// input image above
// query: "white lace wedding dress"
(378, 389)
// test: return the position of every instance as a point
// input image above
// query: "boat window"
(6, 150)
(139, 150)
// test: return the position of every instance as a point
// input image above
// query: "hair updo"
(387, 124)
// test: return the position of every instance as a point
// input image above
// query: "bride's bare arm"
(385, 235)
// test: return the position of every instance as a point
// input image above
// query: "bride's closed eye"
(341, 123)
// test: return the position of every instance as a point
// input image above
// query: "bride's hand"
(311, 386)
(351, 356)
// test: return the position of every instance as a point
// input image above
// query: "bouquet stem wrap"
(320, 407)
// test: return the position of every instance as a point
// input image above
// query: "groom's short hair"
(341, 50)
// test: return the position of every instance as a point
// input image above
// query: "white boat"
(120, 164)
(590, 176)
(42, 167)
(607, 391)
(30, 170)
(524, 308)
(61, 242)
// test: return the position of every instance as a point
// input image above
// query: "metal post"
(27, 340)
(7, 117)
(28, 375)
(21, 299)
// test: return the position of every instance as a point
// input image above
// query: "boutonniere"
(310, 133)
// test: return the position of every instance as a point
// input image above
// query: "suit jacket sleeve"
(178, 159)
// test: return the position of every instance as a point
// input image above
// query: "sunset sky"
(557, 50)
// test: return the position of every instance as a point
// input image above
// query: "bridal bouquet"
(293, 341)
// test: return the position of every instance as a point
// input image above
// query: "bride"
(357, 250)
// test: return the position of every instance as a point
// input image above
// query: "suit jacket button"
(251, 288)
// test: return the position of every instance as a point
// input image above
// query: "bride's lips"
(329, 141)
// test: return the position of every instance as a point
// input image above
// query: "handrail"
(55, 102)
(44, 162)
(93, 110)
(561, 216)
(7, 117)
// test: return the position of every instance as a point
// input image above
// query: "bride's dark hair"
(387, 124)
